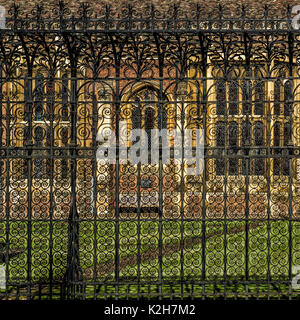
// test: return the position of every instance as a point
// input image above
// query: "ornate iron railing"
(72, 226)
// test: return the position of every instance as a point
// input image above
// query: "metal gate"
(76, 226)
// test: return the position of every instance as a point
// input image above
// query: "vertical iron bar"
(139, 166)
(204, 49)
(28, 103)
(227, 158)
(138, 228)
(50, 154)
(290, 158)
(182, 186)
(160, 201)
(117, 52)
(9, 164)
(290, 226)
(160, 55)
(74, 273)
(117, 173)
(268, 168)
(94, 174)
(246, 159)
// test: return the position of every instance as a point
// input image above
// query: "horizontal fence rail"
(208, 104)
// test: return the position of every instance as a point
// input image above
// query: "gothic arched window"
(259, 134)
(38, 97)
(146, 99)
(246, 133)
(233, 143)
(280, 164)
(50, 97)
(247, 97)
(233, 134)
(220, 142)
(276, 142)
(38, 136)
(136, 118)
(162, 118)
(38, 162)
(221, 97)
(149, 123)
(64, 162)
(288, 96)
(259, 164)
(277, 98)
(276, 134)
(27, 95)
(64, 136)
(259, 98)
(65, 97)
(147, 113)
(220, 134)
(233, 98)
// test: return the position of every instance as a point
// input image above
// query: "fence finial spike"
(243, 10)
(61, 4)
(288, 9)
(14, 10)
(175, 10)
(16, 6)
(220, 8)
(266, 10)
(107, 7)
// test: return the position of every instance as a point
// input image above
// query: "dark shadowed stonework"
(254, 7)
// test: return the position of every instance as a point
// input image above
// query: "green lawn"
(225, 256)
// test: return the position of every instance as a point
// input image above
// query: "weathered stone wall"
(254, 6)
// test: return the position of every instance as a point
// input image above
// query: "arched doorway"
(139, 183)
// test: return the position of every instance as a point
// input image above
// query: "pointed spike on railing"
(62, 6)
(61, 3)
(288, 11)
(84, 6)
(220, 9)
(130, 11)
(84, 14)
(152, 16)
(39, 9)
(266, 10)
(175, 10)
(198, 10)
(152, 10)
(107, 15)
(16, 9)
(107, 10)
(244, 8)
(129, 6)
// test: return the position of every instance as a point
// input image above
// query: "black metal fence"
(73, 226)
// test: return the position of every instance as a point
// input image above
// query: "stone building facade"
(248, 110)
